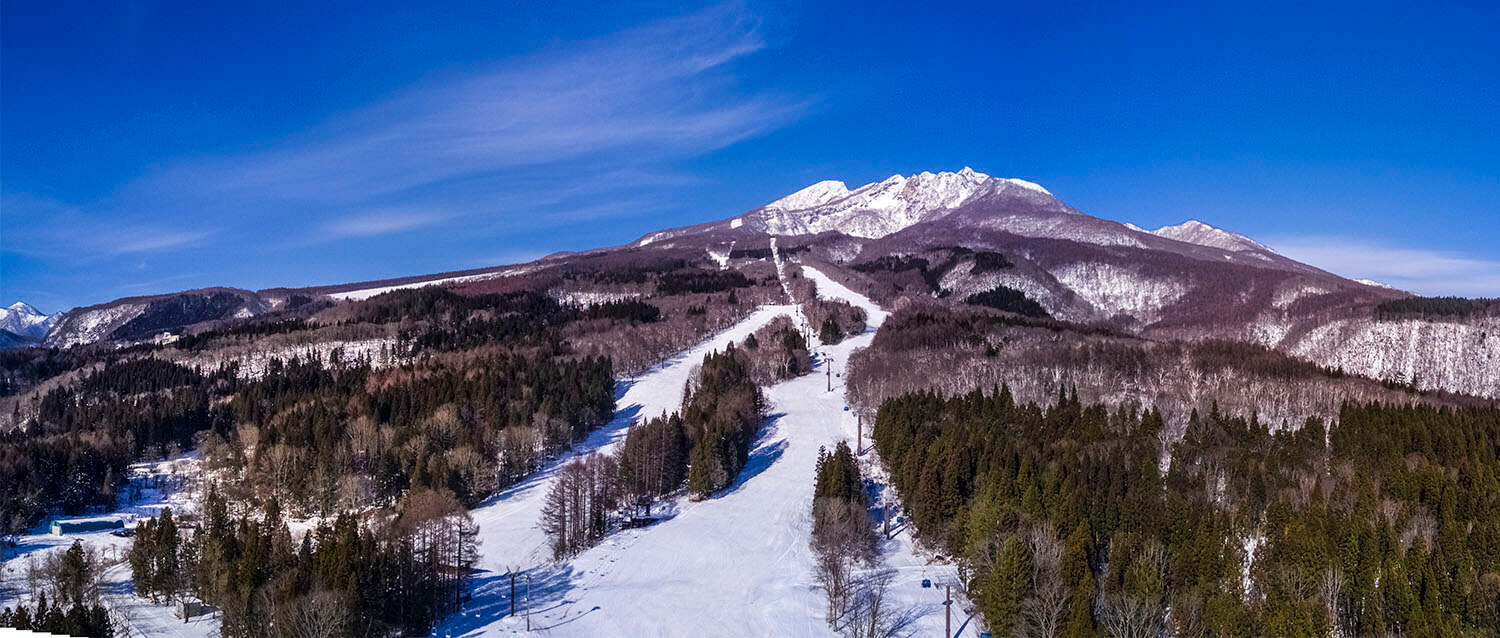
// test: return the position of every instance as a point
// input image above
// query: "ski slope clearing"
(738, 564)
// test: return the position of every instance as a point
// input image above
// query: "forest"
(1435, 308)
(393, 575)
(74, 456)
(1079, 520)
(927, 346)
(1009, 300)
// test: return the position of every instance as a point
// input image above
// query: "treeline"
(931, 272)
(682, 282)
(22, 368)
(704, 446)
(380, 577)
(1067, 524)
(198, 341)
(444, 321)
(73, 608)
(1434, 308)
(834, 319)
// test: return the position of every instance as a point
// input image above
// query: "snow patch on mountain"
(816, 195)
(721, 254)
(880, 208)
(87, 326)
(1060, 227)
(585, 298)
(254, 361)
(1193, 231)
(1115, 290)
(1286, 296)
(366, 293)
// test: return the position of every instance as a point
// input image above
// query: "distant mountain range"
(953, 235)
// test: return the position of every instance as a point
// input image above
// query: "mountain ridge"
(966, 233)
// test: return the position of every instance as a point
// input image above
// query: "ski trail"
(737, 564)
(509, 535)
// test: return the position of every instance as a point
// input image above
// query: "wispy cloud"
(647, 95)
(1422, 271)
(382, 223)
(583, 131)
(47, 228)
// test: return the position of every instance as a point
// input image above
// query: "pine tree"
(1005, 587)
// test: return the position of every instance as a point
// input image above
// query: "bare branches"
(1043, 609)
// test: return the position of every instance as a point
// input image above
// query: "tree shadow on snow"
(548, 590)
(763, 454)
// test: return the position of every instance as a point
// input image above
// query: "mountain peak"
(23, 319)
(1193, 231)
(881, 208)
(815, 195)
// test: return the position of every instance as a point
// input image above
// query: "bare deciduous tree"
(320, 614)
(872, 615)
(1044, 607)
(1125, 616)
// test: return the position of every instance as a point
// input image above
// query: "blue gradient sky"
(149, 147)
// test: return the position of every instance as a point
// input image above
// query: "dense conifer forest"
(1076, 520)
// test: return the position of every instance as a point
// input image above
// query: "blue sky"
(150, 147)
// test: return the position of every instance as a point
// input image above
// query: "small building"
(61, 527)
(188, 609)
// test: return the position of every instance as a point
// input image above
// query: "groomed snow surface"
(737, 564)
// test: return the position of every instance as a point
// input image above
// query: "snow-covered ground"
(737, 564)
(164, 484)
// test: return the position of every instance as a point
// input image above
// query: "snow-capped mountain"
(1193, 231)
(22, 319)
(881, 208)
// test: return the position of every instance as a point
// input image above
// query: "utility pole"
(947, 611)
(859, 436)
(512, 594)
(528, 601)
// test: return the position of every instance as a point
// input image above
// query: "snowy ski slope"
(737, 564)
